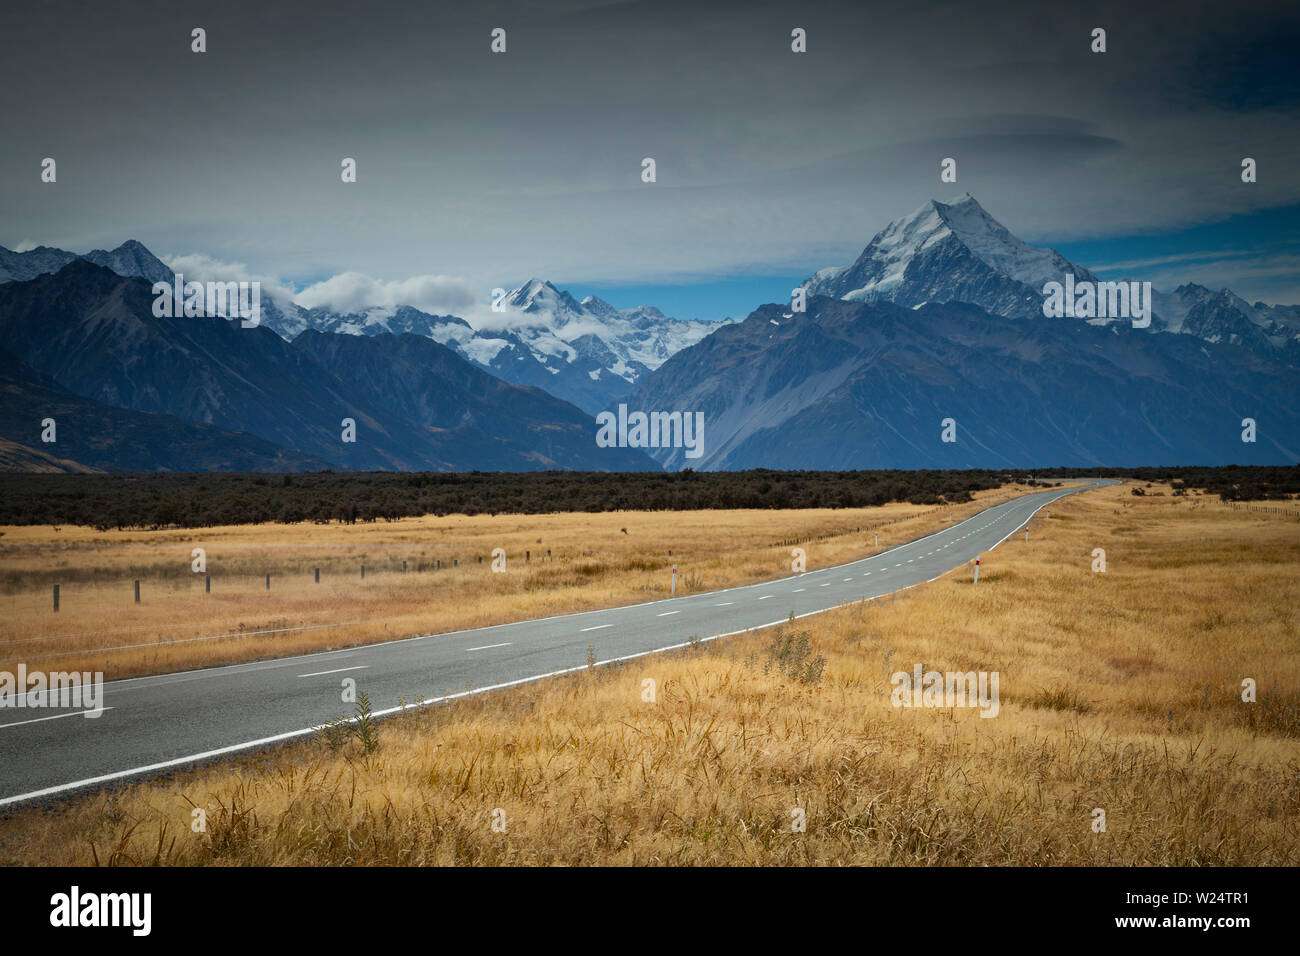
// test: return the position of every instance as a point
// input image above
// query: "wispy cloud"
(1274, 279)
(198, 267)
(352, 292)
(1177, 260)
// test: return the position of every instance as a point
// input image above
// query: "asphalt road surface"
(154, 724)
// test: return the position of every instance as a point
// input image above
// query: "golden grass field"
(1119, 691)
(594, 563)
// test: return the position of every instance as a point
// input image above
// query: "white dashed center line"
(37, 720)
(359, 667)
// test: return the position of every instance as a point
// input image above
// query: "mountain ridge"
(957, 252)
(94, 333)
(869, 384)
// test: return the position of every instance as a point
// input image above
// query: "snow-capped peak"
(598, 306)
(957, 252)
(997, 247)
(946, 252)
(544, 303)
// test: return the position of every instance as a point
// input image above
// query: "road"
(156, 724)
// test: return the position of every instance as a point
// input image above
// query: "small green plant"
(362, 727)
(367, 729)
(793, 656)
(335, 733)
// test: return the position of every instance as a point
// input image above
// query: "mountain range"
(957, 252)
(131, 258)
(940, 317)
(870, 385)
(91, 332)
(587, 353)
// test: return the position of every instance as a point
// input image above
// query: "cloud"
(197, 267)
(25, 245)
(1177, 259)
(345, 292)
(353, 291)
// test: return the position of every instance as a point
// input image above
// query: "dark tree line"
(205, 500)
(1229, 482)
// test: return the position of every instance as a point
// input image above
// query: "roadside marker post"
(137, 590)
(977, 571)
(674, 579)
(56, 598)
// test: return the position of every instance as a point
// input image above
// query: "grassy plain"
(1120, 691)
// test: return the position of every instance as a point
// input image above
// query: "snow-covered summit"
(893, 265)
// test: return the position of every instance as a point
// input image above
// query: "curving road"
(153, 724)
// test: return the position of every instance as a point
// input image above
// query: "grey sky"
(491, 168)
